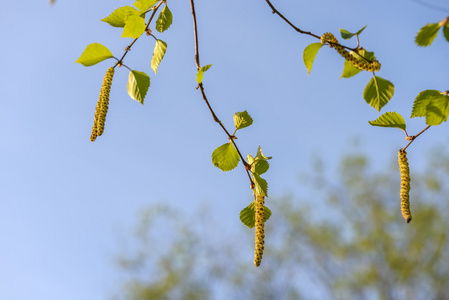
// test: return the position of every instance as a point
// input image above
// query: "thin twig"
(413, 137)
(275, 11)
(203, 93)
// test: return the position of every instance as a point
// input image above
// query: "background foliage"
(354, 246)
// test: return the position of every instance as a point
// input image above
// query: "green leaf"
(361, 30)
(427, 34)
(138, 84)
(309, 55)
(200, 74)
(446, 32)
(433, 105)
(242, 120)
(93, 54)
(158, 54)
(422, 100)
(261, 185)
(437, 111)
(225, 157)
(389, 119)
(248, 215)
(347, 35)
(260, 155)
(134, 27)
(260, 166)
(378, 92)
(118, 17)
(144, 5)
(164, 20)
(349, 70)
(250, 159)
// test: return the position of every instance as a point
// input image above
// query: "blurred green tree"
(353, 244)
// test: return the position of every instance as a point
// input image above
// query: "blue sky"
(66, 202)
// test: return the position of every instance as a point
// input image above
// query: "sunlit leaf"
(242, 120)
(134, 27)
(247, 215)
(437, 111)
(144, 5)
(378, 92)
(309, 55)
(93, 54)
(118, 17)
(200, 74)
(138, 84)
(427, 34)
(260, 155)
(260, 166)
(422, 100)
(158, 54)
(390, 119)
(446, 32)
(347, 35)
(164, 20)
(261, 185)
(225, 157)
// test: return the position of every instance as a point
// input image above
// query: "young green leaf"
(347, 35)
(427, 34)
(378, 92)
(389, 119)
(361, 30)
(242, 120)
(118, 17)
(247, 215)
(349, 70)
(93, 54)
(134, 27)
(225, 157)
(164, 20)
(446, 32)
(250, 159)
(144, 5)
(309, 55)
(437, 111)
(158, 54)
(260, 155)
(138, 84)
(260, 166)
(200, 74)
(423, 99)
(261, 185)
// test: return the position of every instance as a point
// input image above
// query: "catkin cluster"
(259, 224)
(358, 63)
(102, 105)
(405, 185)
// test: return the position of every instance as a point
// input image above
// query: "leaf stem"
(203, 93)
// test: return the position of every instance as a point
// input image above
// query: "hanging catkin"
(102, 105)
(405, 185)
(259, 224)
(358, 63)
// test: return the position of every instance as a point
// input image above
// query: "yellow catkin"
(405, 185)
(102, 105)
(358, 63)
(259, 224)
